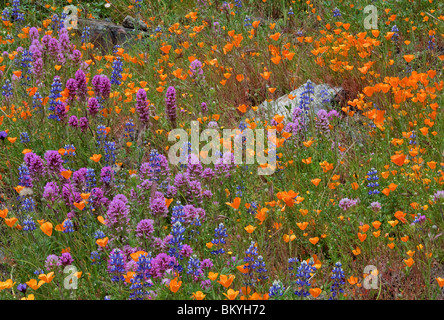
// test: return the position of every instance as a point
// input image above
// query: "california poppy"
(102, 242)
(315, 292)
(96, 157)
(175, 285)
(226, 280)
(47, 228)
(235, 204)
(231, 294)
(250, 228)
(198, 295)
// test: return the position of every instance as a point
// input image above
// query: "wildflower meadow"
(221, 150)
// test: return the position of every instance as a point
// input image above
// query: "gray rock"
(105, 35)
(132, 23)
(322, 97)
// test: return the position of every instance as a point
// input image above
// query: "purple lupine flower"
(142, 106)
(170, 105)
(54, 162)
(22, 287)
(117, 264)
(25, 179)
(155, 168)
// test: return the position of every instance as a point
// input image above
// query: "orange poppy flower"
(275, 36)
(66, 174)
(409, 262)
(47, 228)
(362, 237)
(409, 57)
(47, 278)
(231, 294)
(398, 159)
(314, 240)
(175, 285)
(440, 282)
(212, 276)
(235, 204)
(226, 280)
(376, 224)
(243, 268)
(198, 295)
(11, 221)
(79, 205)
(102, 242)
(4, 213)
(96, 157)
(34, 285)
(315, 292)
